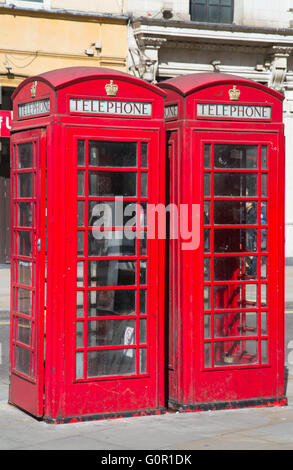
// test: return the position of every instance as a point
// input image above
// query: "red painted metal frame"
(65, 397)
(192, 385)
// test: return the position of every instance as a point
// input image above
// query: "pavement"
(268, 428)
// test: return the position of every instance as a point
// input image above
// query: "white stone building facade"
(249, 38)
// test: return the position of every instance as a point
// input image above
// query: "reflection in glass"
(80, 243)
(142, 331)
(79, 365)
(112, 213)
(264, 185)
(207, 213)
(25, 214)
(207, 240)
(24, 243)
(207, 155)
(111, 273)
(235, 156)
(264, 157)
(110, 183)
(264, 351)
(111, 333)
(80, 273)
(24, 272)
(23, 331)
(143, 361)
(24, 301)
(144, 184)
(264, 300)
(109, 153)
(207, 355)
(235, 268)
(111, 302)
(235, 324)
(79, 304)
(80, 183)
(144, 155)
(143, 272)
(111, 243)
(235, 296)
(207, 298)
(235, 212)
(235, 184)
(25, 155)
(264, 323)
(264, 245)
(80, 213)
(79, 334)
(227, 353)
(207, 274)
(22, 360)
(80, 152)
(235, 240)
(25, 184)
(207, 326)
(207, 184)
(111, 362)
(143, 303)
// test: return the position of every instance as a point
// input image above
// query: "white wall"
(268, 13)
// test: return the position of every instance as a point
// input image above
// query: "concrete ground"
(269, 428)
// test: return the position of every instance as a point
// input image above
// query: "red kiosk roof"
(190, 83)
(63, 77)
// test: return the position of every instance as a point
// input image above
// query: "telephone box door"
(242, 342)
(27, 270)
(114, 317)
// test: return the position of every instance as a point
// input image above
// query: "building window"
(212, 11)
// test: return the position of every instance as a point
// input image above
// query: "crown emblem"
(111, 89)
(234, 93)
(34, 89)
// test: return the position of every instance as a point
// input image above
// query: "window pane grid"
(129, 350)
(254, 352)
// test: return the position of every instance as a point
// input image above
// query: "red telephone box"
(225, 142)
(87, 290)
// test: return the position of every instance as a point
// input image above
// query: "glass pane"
(264, 157)
(207, 184)
(23, 331)
(24, 301)
(143, 214)
(79, 365)
(207, 156)
(207, 298)
(24, 243)
(79, 334)
(143, 361)
(227, 353)
(111, 332)
(24, 272)
(25, 214)
(207, 274)
(79, 304)
(207, 326)
(22, 360)
(112, 213)
(111, 243)
(235, 268)
(142, 331)
(235, 240)
(235, 156)
(206, 213)
(264, 351)
(143, 243)
(80, 273)
(116, 154)
(235, 296)
(235, 212)
(80, 213)
(263, 215)
(111, 302)
(264, 243)
(25, 155)
(264, 300)
(80, 152)
(213, 14)
(264, 185)
(80, 243)
(110, 183)
(80, 183)
(143, 303)
(207, 355)
(264, 323)
(235, 184)
(207, 240)
(111, 362)
(235, 324)
(111, 273)
(143, 272)
(144, 155)
(263, 268)
(144, 184)
(25, 184)
(225, 15)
